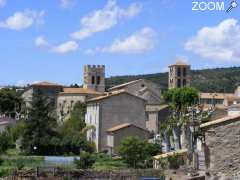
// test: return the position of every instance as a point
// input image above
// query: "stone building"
(48, 89)
(69, 97)
(143, 88)
(64, 98)
(116, 134)
(179, 75)
(152, 93)
(94, 77)
(222, 146)
(113, 109)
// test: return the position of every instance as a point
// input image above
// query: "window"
(179, 83)
(184, 72)
(98, 79)
(184, 82)
(178, 71)
(93, 80)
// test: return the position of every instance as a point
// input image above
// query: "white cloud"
(104, 19)
(66, 3)
(2, 3)
(66, 47)
(41, 42)
(22, 20)
(139, 42)
(219, 43)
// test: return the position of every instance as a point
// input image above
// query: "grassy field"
(12, 160)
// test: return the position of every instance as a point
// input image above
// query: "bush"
(5, 142)
(86, 160)
(175, 161)
(138, 153)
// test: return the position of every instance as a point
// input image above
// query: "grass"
(110, 164)
(12, 160)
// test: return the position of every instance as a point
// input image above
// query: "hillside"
(207, 80)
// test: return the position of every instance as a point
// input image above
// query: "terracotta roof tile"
(221, 120)
(125, 84)
(46, 83)
(79, 91)
(113, 93)
(124, 125)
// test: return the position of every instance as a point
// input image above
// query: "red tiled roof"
(45, 83)
(124, 125)
(79, 91)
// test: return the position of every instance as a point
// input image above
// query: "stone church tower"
(179, 75)
(94, 77)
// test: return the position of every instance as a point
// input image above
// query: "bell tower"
(94, 77)
(179, 75)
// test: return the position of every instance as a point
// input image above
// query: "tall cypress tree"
(39, 126)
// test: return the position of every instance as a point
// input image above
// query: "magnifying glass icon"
(233, 5)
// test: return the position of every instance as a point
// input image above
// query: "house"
(116, 134)
(222, 146)
(48, 89)
(64, 98)
(110, 110)
(143, 88)
(69, 97)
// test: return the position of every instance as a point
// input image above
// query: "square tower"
(94, 77)
(179, 75)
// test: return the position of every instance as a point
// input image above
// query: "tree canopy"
(10, 102)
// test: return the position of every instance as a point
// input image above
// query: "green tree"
(76, 122)
(39, 126)
(86, 160)
(180, 99)
(135, 152)
(5, 141)
(72, 134)
(10, 102)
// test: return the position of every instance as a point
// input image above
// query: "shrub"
(86, 160)
(175, 161)
(138, 153)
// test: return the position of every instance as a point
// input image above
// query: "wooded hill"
(206, 80)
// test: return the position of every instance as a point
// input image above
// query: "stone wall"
(222, 149)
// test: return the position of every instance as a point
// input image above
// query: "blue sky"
(53, 39)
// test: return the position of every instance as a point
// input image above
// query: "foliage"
(5, 142)
(110, 164)
(181, 98)
(135, 152)
(86, 160)
(70, 138)
(175, 161)
(10, 163)
(17, 130)
(39, 125)
(206, 80)
(76, 121)
(10, 102)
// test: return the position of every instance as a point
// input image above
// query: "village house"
(222, 146)
(116, 134)
(114, 109)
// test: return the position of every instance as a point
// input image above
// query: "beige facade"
(107, 111)
(117, 134)
(69, 97)
(179, 75)
(156, 114)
